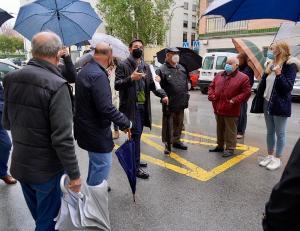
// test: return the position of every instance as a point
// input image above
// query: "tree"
(10, 44)
(127, 19)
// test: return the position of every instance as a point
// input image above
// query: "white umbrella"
(120, 50)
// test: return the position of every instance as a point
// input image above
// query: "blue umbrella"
(4, 16)
(237, 10)
(73, 20)
(126, 156)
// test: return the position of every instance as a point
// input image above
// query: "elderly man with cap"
(229, 89)
(174, 80)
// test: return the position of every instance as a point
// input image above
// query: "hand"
(157, 78)
(137, 76)
(165, 100)
(277, 70)
(75, 185)
(128, 132)
(64, 52)
(231, 101)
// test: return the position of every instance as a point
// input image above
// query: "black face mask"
(137, 53)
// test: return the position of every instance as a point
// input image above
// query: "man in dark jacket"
(244, 68)
(282, 210)
(134, 83)
(38, 111)
(174, 80)
(94, 114)
(228, 91)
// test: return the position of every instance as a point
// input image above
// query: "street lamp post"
(170, 20)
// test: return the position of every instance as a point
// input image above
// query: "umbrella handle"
(64, 180)
(129, 134)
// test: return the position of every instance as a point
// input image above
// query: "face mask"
(228, 68)
(175, 58)
(137, 53)
(270, 55)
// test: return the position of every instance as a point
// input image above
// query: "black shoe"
(108, 189)
(167, 149)
(142, 174)
(217, 149)
(143, 164)
(228, 153)
(180, 145)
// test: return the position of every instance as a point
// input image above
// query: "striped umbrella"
(255, 55)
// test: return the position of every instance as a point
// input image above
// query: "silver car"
(296, 88)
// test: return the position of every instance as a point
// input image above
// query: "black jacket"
(38, 112)
(67, 69)
(283, 208)
(95, 111)
(249, 72)
(280, 103)
(128, 93)
(174, 80)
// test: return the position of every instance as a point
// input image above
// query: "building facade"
(215, 34)
(183, 23)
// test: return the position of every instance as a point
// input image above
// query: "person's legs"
(178, 118)
(30, 198)
(99, 167)
(270, 130)
(280, 128)
(5, 147)
(230, 132)
(242, 123)
(220, 131)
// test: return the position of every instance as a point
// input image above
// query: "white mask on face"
(175, 59)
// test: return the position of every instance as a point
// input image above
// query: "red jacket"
(224, 88)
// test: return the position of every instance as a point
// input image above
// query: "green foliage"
(10, 44)
(127, 19)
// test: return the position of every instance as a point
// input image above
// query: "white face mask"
(175, 59)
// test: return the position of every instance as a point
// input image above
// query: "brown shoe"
(9, 179)
(116, 135)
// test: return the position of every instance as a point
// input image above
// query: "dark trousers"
(43, 201)
(173, 121)
(226, 131)
(5, 146)
(242, 123)
(137, 131)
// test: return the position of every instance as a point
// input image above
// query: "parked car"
(7, 66)
(296, 88)
(213, 63)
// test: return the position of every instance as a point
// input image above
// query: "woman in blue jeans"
(276, 87)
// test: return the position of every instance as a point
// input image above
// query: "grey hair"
(46, 44)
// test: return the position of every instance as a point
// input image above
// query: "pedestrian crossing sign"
(196, 44)
(186, 45)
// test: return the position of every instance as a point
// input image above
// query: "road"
(190, 190)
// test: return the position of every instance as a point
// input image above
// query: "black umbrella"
(188, 58)
(4, 16)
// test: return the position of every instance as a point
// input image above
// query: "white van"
(213, 63)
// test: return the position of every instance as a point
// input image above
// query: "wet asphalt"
(233, 200)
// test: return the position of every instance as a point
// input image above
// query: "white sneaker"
(274, 164)
(267, 160)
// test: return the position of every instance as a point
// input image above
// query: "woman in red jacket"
(227, 92)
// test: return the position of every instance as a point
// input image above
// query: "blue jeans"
(43, 201)
(137, 131)
(5, 146)
(276, 125)
(99, 167)
(242, 123)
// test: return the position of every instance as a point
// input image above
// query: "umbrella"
(238, 10)
(85, 210)
(126, 156)
(73, 20)
(120, 50)
(4, 16)
(256, 57)
(188, 58)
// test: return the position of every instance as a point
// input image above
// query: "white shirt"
(269, 85)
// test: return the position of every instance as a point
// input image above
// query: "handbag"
(257, 106)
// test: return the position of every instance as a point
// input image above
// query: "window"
(221, 61)
(193, 38)
(217, 24)
(5, 68)
(185, 20)
(194, 25)
(208, 63)
(185, 24)
(184, 37)
(186, 6)
(195, 7)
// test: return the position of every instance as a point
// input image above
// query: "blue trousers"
(137, 131)
(43, 201)
(5, 146)
(99, 167)
(276, 125)
(242, 123)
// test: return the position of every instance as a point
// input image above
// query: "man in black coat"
(174, 80)
(134, 83)
(283, 208)
(94, 114)
(244, 68)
